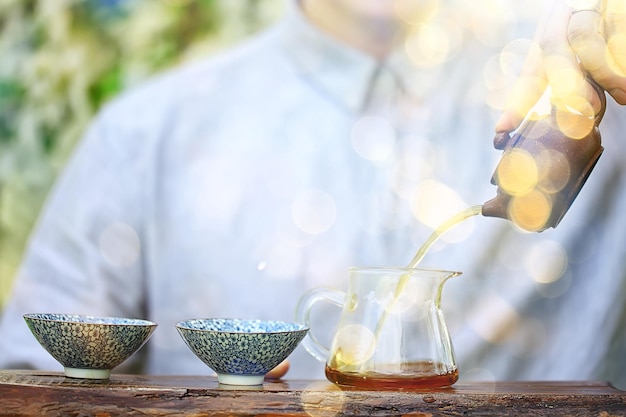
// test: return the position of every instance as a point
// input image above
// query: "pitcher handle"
(303, 313)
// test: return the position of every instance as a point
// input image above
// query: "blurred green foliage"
(62, 59)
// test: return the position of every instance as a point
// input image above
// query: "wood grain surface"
(30, 393)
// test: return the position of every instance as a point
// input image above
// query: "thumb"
(279, 371)
(532, 82)
(526, 90)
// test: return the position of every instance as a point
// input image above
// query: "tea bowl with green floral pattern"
(241, 351)
(89, 346)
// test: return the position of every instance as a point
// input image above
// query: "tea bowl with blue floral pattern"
(89, 346)
(241, 351)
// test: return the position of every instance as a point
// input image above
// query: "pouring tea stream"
(391, 331)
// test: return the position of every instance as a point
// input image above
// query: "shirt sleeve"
(85, 253)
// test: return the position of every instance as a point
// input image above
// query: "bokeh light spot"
(501, 73)
(554, 170)
(416, 12)
(289, 232)
(373, 138)
(565, 81)
(516, 53)
(495, 319)
(119, 244)
(413, 165)
(432, 44)
(556, 288)
(530, 211)
(313, 211)
(491, 21)
(524, 94)
(539, 130)
(322, 399)
(385, 295)
(354, 344)
(517, 172)
(575, 117)
(546, 261)
(433, 203)
(428, 46)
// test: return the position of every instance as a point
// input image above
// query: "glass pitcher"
(391, 332)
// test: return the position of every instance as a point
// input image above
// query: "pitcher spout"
(444, 279)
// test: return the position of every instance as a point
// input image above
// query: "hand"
(573, 37)
(278, 372)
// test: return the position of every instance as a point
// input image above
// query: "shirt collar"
(345, 75)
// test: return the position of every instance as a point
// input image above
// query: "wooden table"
(27, 393)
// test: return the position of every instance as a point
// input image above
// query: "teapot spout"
(496, 207)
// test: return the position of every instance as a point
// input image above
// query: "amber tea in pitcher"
(415, 375)
(391, 332)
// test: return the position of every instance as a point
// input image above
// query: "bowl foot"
(87, 373)
(229, 379)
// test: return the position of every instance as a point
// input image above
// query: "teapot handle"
(303, 316)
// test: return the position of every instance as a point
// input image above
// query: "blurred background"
(60, 60)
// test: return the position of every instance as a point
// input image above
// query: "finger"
(563, 71)
(615, 32)
(525, 92)
(530, 84)
(557, 66)
(279, 371)
(586, 34)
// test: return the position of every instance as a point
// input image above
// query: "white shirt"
(229, 187)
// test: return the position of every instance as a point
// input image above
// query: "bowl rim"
(72, 318)
(300, 327)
